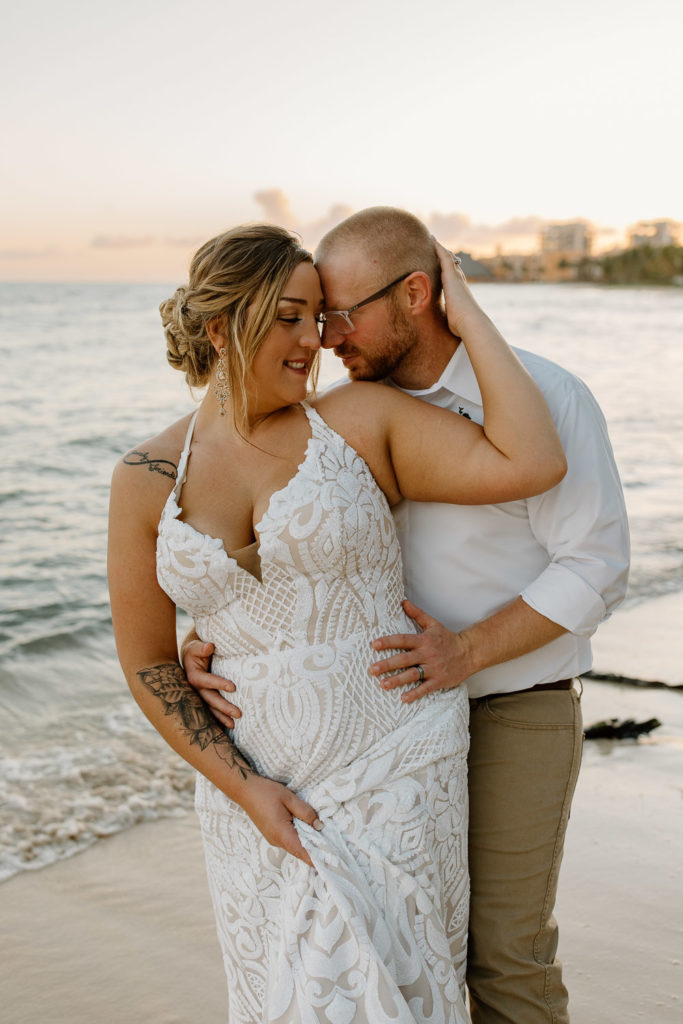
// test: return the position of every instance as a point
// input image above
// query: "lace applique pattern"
(378, 931)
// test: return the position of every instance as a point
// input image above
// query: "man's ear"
(417, 293)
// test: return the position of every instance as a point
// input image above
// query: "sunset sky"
(134, 130)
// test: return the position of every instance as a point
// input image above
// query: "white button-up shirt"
(566, 552)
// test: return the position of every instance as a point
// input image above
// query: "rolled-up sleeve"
(582, 521)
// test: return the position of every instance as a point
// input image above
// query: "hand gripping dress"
(377, 932)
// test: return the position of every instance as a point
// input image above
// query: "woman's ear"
(216, 329)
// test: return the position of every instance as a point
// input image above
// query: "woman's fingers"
(303, 811)
(290, 842)
(272, 807)
(459, 298)
(298, 808)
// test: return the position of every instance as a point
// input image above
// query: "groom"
(515, 591)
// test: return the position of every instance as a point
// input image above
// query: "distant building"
(514, 266)
(573, 237)
(656, 233)
(563, 246)
(474, 270)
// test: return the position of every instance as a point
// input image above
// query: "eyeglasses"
(339, 320)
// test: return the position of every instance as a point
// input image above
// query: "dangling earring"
(221, 388)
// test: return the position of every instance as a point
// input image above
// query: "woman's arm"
(145, 629)
(439, 456)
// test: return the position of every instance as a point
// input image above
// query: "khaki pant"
(525, 752)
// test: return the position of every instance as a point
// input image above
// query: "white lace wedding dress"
(377, 932)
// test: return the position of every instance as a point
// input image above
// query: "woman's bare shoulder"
(355, 396)
(148, 471)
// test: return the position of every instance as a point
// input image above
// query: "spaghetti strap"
(182, 465)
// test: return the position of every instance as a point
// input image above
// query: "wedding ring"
(420, 674)
(456, 259)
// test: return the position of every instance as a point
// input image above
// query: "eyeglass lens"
(337, 324)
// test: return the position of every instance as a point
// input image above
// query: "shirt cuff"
(565, 598)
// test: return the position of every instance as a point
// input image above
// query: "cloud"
(457, 229)
(27, 254)
(314, 231)
(275, 205)
(121, 241)
(453, 228)
(277, 209)
(187, 242)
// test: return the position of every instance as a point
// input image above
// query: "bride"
(334, 815)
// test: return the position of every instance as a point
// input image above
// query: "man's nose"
(330, 337)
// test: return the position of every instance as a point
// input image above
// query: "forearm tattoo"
(162, 466)
(168, 684)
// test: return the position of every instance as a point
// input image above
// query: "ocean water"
(84, 378)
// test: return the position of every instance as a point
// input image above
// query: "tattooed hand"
(162, 466)
(168, 684)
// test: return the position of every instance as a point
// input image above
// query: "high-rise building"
(656, 233)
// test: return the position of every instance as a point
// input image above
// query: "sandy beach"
(123, 933)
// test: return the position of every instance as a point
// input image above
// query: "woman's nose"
(311, 337)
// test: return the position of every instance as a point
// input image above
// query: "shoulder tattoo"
(162, 466)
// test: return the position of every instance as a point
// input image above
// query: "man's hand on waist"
(196, 659)
(435, 659)
(447, 659)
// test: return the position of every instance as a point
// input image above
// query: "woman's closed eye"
(318, 317)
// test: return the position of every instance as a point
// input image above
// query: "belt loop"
(579, 680)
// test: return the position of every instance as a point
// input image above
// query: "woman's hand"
(443, 656)
(272, 807)
(196, 658)
(460, 302)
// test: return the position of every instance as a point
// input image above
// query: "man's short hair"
(394, 241)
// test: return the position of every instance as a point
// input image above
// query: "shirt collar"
(458, 378)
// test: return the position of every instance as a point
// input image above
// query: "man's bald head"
(390, 241)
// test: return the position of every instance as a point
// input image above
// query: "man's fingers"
(221, 709)
(202, 680)
(394, 663)
(210, 682)
(397, 641)
(407, 678)
(225, 720)
(418, 615)
(218, 703)
(418, 691)
(197, 649)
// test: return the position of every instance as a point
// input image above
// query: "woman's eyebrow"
(299, 302)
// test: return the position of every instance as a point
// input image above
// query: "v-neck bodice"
(330, 561)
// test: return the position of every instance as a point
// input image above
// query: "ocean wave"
(61, 799)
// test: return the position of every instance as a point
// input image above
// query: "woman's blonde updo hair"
(236, 281)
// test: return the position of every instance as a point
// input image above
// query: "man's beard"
(384, 361)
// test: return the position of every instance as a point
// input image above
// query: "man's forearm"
(509, 633)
